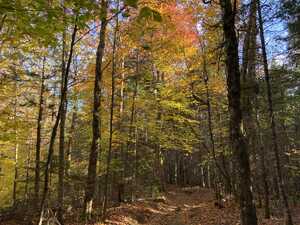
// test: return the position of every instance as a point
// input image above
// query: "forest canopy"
(106, 102)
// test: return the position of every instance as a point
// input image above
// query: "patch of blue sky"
(275, 32)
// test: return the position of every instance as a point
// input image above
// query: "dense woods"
(107, 103)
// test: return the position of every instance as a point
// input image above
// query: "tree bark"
(61, 155)
(128, 157)
(264, 172)
(38, 136)
(71, 140)
(16, 169)
(16, 175)
(280, 179)
(95, 147)
(55, 127)
(249, 84)
(249, 97)
(217, 165)
(121, 184)
(112, 102)
(26, 191)
(239, 144)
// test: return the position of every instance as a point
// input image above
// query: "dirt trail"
(192, 206)
(180, 207)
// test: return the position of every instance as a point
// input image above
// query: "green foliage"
(148, 13)
(290, 12)
(158, 123)
(131, 3)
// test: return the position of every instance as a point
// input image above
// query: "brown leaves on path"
(180, 206)
(187, 206)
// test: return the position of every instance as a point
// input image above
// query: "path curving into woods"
(180, 207)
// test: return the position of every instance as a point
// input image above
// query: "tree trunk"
(264, 172)
(272, 121)
(55, 127)
(136, 160)
(217, 165)
(16, 169)
(71, 140)
(16, 174)
(250, 90)
(26, 191)
(112, 102)
(249, 85)
(239, 144)
(128, 157)
(38, 136)
(121, 183)
(95, 147)
(2, 20)
(61, 155)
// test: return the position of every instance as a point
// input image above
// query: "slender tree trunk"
(217, 165)
(136, 160)
(249, 84)
(2, 21)
(38, 136)
(16, 169)
(273, 122)
(95, 147)
(239, 144)
(265, 186)
(15, 187)
(112, 102)
(26, 191)
(262, 153)
(71, 140)
(121, 184)
(130, 133)
(61, 169)
(133, 115)
(61, 155)
(211, 135)
(55, 127)
(16, 175)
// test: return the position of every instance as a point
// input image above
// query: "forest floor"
(184, 207)
(179, 206)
